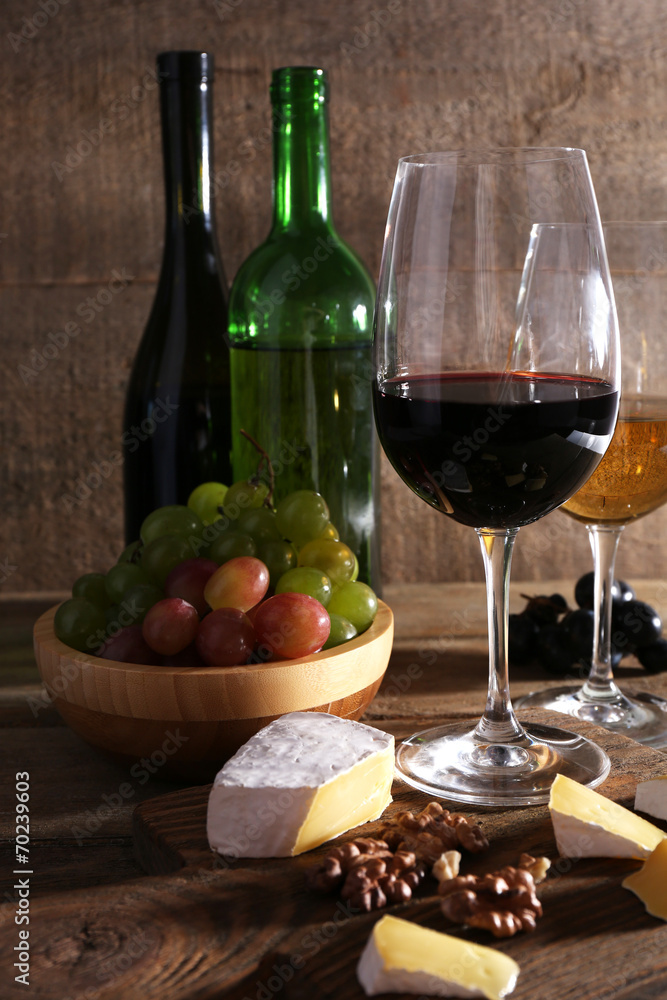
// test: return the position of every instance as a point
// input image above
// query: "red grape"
(188, 580)
(188, 657)
(170, 625)
(292, 625)
(129, 646)
(225, 638)
(239, 583)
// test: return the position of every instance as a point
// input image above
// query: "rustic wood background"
(78, 203)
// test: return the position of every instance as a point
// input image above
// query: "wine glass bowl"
(631, 481)
(495, 398)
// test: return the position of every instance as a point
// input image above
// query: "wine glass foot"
(642, 717)
(453, 762)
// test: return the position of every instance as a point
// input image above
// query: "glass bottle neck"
(187, 120)
(301, 169)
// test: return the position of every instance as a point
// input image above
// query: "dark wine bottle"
(176, 426)
(300, 328)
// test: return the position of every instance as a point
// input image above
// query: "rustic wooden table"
(100, 927)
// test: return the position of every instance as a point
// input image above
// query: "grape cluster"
(560, 639)
(223, 581)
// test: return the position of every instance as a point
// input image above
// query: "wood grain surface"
(101, 929)
(589, 920)
(428, 75)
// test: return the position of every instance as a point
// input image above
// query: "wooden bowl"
(184, 723)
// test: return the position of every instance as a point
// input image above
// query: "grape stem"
(264, 459)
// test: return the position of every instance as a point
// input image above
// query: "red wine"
(177, 420)
(495, 450)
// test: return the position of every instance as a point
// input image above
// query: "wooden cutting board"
(594, 942)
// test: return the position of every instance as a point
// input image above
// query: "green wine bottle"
(300, 326)
(177, 421)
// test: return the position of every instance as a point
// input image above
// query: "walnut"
(502, 902)
(433, 831)
(538, 867)
(331, 873)
(368, 874)
(447, 866)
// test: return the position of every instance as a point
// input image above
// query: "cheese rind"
(303, 779)
(651, 797)
(403, 957)
(589, 825)
(650, 882)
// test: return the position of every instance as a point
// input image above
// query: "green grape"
(172, 520)
(260, 524)
(91, 587)
(356, 602)
(163, 554)
(244, 495)
(206, 500)
(121, 577)
(80, 624)
(137, 602)
(330, 531)
(302, 516)
(131, 553)
(111, 614)
(278, 557)
(305, 580)
(230, 545)
(355, 571)
(341, 630)
(336, 559)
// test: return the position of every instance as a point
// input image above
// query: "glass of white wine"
(631, 480)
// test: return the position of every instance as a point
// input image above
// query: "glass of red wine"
(496, 395)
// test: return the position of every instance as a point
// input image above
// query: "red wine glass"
(496, 395)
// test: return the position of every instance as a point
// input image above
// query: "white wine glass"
(493, 425)
(630, 482)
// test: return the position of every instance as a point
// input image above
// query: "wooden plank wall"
(405, 76)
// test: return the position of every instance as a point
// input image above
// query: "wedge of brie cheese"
(303, 779)
(402, 957)
(588, 825)
(651, 797)
(650, 882)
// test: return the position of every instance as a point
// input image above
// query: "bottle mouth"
(299, 84)
(188, 64)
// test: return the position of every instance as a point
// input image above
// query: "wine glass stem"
(604, 540)
(499, 723)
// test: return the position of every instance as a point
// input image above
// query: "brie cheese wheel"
(588, 825)
(303, 779)
(402, 957)
(651, 797)
(650, 882)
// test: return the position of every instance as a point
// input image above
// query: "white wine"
(300, 332)
(631, 479)
(310, 410)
